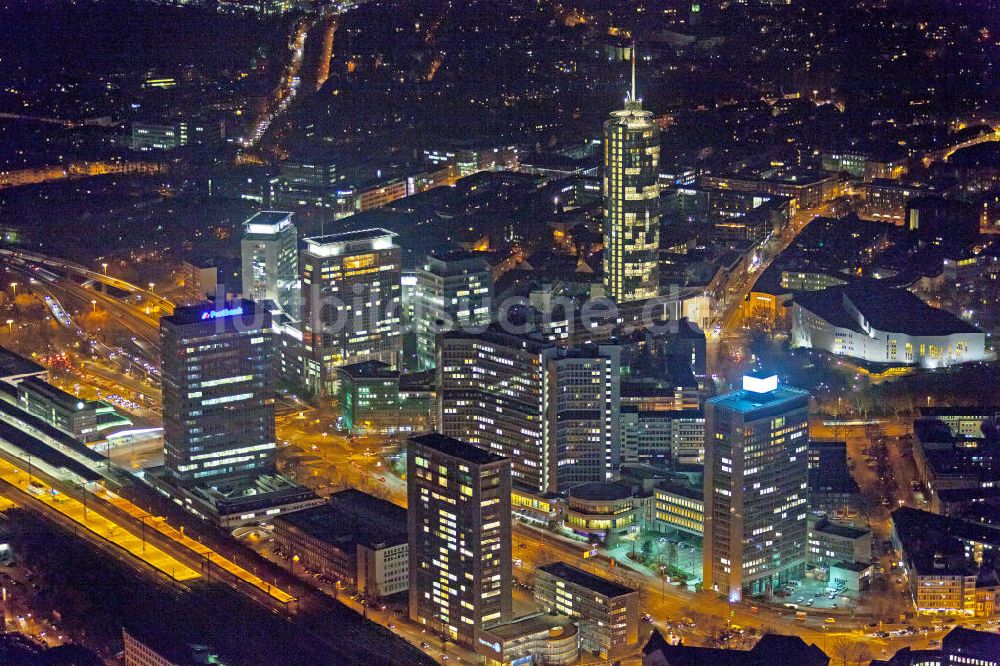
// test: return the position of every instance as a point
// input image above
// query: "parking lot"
(811, 594)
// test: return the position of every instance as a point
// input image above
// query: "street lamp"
(94, 304)
(104, 265)
(151, 285)
(10, 325)
(13, 287)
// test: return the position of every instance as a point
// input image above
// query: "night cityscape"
(500, 333)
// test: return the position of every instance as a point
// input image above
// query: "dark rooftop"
(348, 236)
(678, 487)
(972, 643)
(933, 543)
(368, 370)
(12, 364)
(456, 448)
(40, 450)
(770, 649)
(885, 308)
(65, 400)
(845, 531)
(600, 491)
(352, 517)
(851, 566)
(589, 581)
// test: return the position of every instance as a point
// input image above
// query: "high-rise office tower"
(553, 411)
(270, 254)
(756, 478)
(459, 527)
(631, 197)
(452, 290)
(218, 392)
(584, 419)
(350, 302)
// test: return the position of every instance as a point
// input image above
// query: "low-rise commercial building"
(355, 538)
(949, 562)
(949, 461)
(86, 420)
(886, 200)
(655, 436)
(538, 508)
(854, 576)
(874, 163)
(831, 542)
(147, 136)
(832, 488)
(962, 421)
(536, 639)
(607, 613)
(804, 188)
(606, 510)
(680, 507)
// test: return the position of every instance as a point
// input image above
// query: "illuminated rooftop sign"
(760, 384)
(228, 312)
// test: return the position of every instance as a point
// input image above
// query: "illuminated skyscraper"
(756, 478)
(270, 254)
(552, 410)
(218, 393)
(631, 196)
(350, 302)
(452, 291)
(458, 499)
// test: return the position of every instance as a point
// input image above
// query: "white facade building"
(883, 325)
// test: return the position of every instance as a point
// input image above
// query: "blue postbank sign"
(228, 312)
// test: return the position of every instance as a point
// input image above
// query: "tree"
(862, 654)
(647, 550)
(672, 554)
(843, 649)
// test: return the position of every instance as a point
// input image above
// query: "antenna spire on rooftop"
(633, 97)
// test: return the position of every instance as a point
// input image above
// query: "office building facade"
(631, 197)
(607, 613)
(452, 290)
(218, 392)
(756, 478)
(552, 411)
(270, 260)
(459, 537)
(584, 420)
(350, 302)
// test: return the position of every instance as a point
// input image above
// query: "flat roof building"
(351, 309)
(552, 410)
(460, 537)
(756, 478)
(770, 649)
(218, 392)
(270, 261)
(354, 537)
(607, 613)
